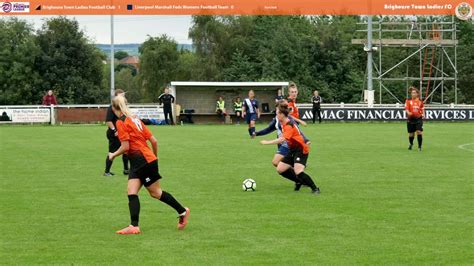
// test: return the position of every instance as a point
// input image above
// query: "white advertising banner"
(39, 115)
(387, 114)
(149, 113)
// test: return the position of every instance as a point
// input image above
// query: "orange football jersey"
(136, 133)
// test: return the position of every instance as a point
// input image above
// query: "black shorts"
(114, 142)
(148, 173)
(295, 156)
(415, 124)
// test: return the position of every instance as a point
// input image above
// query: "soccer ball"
(249, 185)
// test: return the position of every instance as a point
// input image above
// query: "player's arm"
(154, 144)
(110, 125)
(258, 110)
(243, 110)
(407, 109)
(279, 140)
(299, 121)
(149, 136)
(108, 121)
(124, 146)
(124, 138)
(269, 129)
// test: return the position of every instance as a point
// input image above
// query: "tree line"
(315, 52)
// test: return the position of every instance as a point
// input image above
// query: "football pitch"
(380, 203)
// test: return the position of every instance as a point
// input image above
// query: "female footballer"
(294, 112)
(282, 149)
(415, 110)
(251, 112)
(298, 154)
(133, 135)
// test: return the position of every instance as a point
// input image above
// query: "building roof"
(228, 84)
(131, 60)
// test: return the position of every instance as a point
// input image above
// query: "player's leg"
(166, 113)
(419, 137)
(411, 134)
(419, 134)
(314, 115)
(170, 117)
(319, 115)
(165, 197)
(285, 169)
(114, 144)
(249, 122)
(133, 187)
(276, 159)
(152, 184)
(252, 124)
(300, 160)
(305, 178)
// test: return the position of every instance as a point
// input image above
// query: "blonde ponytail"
(119, 103)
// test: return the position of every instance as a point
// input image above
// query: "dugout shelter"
(202, 96)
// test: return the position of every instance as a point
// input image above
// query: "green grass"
(380, 203)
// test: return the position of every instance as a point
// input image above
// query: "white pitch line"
(463, 146)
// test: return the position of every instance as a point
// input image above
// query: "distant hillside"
(132, 48)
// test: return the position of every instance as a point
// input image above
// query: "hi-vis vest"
(238, 106)
(220, 105)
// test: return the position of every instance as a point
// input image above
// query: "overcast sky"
(128, 29)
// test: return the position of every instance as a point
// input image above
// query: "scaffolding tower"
(431, 42)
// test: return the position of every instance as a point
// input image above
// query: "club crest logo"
(14, 7)
(7, 7)
(464, 11)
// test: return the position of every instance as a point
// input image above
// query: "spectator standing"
(316, 106)
(279, 96)
(49, 99)
(167, 100)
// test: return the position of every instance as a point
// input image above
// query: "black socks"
(290, 174)
(134, 207)
(420, 140)
(306, 179)
(171, 201)
(108, 164)
(411, 140)
(251, 130)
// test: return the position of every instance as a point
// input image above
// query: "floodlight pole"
(112, 58)
(370, 88)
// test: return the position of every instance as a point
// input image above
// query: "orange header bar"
(234, 7)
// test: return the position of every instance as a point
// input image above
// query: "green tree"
(125, 80)
(240, 68)
(466, 60)
(187, 65)
(18, 54)
(119, 55)
(133, 70)
(159, 57)
(69, 63)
